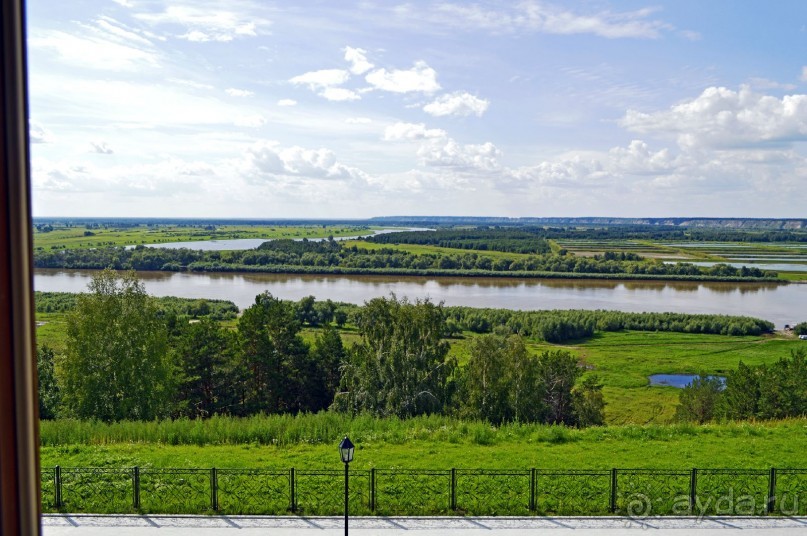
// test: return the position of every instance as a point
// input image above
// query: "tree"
(698, 400)
(49, 395)
(783, 387)
(281, 373)
(210, 378)
(400, 366)
(558, 371)
(588, 402)
(485, 393)
(330, 355)
(117, 365)
(741, 395)
(501, 382)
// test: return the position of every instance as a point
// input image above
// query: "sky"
(322, 109)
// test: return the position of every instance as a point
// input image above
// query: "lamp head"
(346, 450)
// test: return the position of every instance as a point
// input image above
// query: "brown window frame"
(20, 502)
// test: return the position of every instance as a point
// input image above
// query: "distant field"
(752, 254)
(419, 249)
(75, 237)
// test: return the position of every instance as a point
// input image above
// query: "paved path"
(140, 525)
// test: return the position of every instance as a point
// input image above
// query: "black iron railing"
(634, 492)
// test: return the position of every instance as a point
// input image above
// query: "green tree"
(210, 381)
(49, 395)
(281, 373)
(588, 402)
(117, 365)
(558, 371)
(501, 381)
(783, 387)
(485, 385)
(698, 401)
(741, 395)
(330, 356)
(400, 367)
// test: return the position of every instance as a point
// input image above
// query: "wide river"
(781, 304)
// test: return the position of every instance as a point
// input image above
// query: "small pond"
(677, 380)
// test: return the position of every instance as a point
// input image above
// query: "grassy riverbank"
(77, 237)
(428, 442)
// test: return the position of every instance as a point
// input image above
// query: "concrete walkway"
(141, 525)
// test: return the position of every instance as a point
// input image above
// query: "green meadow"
(77, 237)
(309, 441)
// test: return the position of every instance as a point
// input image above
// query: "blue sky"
(322, 109)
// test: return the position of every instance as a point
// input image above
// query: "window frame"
(20, 500)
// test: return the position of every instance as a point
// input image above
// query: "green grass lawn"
(449, 443)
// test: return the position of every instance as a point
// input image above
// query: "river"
(781, 304)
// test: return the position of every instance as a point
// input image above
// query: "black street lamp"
(346, 452)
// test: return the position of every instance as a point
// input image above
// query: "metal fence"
(634, 492)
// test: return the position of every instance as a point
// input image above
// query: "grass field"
(419, 249)
(434, 442)
(74, 237)
(624, 360)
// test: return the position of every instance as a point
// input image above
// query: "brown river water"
(780, 304)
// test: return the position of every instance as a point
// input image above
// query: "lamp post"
(346, 452)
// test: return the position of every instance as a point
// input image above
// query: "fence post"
(292, 491)
(533, 506)
(612, 503)
(693, 490)
(453, 490)
(372, 489)
(772, 491)
(57, 486)
(214, 489)
(136, 487)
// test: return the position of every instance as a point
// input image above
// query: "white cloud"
(116, 29)
(411, 131)
(339, 94)
(536, 16)
(721, 117)
(94, 50)
(124, 3)
(449, 153)
(358, 120)
(101, 147)
(321, 79)
(358, 60)
(457, 103)
(38, 134)
(266, 160)
(234, 92)
(287, 102)
(420, 78)
(205, 23)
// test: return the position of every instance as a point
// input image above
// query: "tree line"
(507, 239)
(564, 325)
(774, 391)
(330, 256)
(125, 361)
